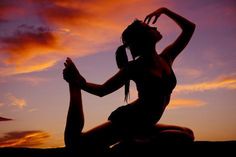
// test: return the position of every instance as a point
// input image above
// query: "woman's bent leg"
(174, 134)
(97, 138)
(75, 118)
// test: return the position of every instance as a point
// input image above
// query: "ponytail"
(122, 61)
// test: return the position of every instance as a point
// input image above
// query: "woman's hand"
(71, 73)
(155, 14)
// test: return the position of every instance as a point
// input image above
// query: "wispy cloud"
(28, 49)
(33, 80)
(26, 68)
(185, 103)
(15, 101)
(24, 138)
(224, 82)
(5, 119)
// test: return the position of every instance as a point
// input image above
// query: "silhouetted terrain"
(200, 148)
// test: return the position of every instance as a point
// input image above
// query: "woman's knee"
(189, 132)
(176, 136)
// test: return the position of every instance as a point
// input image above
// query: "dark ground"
(198, 148)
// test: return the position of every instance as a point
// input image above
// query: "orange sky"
(36, 37)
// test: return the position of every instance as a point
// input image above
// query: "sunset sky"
(36, 36)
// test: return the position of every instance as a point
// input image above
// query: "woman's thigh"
(164, 129)
(103, 135)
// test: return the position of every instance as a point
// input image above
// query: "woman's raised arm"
(172, 51)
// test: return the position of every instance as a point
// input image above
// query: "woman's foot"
(72, 75)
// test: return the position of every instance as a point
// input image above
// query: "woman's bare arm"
(172, 51)
(111, 85)
(74, 78)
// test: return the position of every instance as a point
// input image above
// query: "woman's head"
(140, 37)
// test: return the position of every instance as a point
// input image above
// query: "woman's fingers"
(65, 74)
(147, 19)
(70, 72)
(155, 19)
(65, 64)
(70, 63)
(69, 60)
(155, 14)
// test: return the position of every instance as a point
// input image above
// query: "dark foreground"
(199, 148)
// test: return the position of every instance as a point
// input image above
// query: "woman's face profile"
(140, 37)
(153, 31)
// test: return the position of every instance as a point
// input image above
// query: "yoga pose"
(154, 78)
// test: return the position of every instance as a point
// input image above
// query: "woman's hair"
(136, 33)
(133, 33)
(122, 61)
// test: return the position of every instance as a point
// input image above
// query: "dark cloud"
(24, 138)
(29, 34)
(25, 42)
(4, 119)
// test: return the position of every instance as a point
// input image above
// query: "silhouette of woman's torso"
(154, 80)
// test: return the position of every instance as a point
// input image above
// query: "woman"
(154, 78)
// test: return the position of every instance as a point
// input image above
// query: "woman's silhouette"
(154, 78)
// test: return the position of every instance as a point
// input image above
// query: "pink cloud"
(16, 101)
